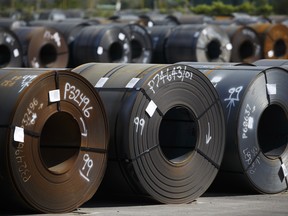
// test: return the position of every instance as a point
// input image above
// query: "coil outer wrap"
(167, 129)
(255, 107)
(54, 137)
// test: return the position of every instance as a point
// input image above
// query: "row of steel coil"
(72, 42)
(164, 131)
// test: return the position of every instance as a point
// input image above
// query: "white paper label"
(132, 82)
(272, 89)
(285, 171)
(121, 36)
(100, 50)
(151, 108)
(250, 122)
(16, 53)
(101, 82)
(54, 95)
(19, 134)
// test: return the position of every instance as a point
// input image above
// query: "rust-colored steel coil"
(69, 28)
(53, 139)
(255, 104)
(167, 130)
(200, 43)
(11, 54)
(102, 43)
(43, 47)
(274, 40)
(246, 43)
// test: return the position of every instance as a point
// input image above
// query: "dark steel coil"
(161, 19)
(271, 62)
(167, 130)
(140, 43)
(11, 23)
(202, 43)
(43, 47)
(159, 35)
(245, 42)
(184, 19)
(274, 40)
(102, 43)
(11, 54)
(255, 104)
(53, 140)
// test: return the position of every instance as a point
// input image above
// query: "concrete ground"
(206, 205)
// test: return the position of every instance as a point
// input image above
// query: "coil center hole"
(48, 54)
(178, 134)
(246, 49)
(213, 50)
(279, 48)
(136, 49)
(116, 52)
(273, 131)
(60, 142)
(5, 55)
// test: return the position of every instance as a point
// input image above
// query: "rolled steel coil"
(53, 138)
(159, 36)
(246, 43)
(167, 130)
(69, 28)
(184, 19)
(43, 47)
(140, 43)
(11, 23)
(271, 62)
(11, 54)
(160, 19)
(202, 43)
(102, 43)
(274, 40)
(255, 104)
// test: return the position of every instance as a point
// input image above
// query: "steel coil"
(11, 54)
(159, 35)
(140, 43)
(102, 43)
(202, 43)
(43, 47)
(53, 138)
(271, 62)
(245, 42)
(167, 130)
(274, 40)
(69, 28)
(255, 105)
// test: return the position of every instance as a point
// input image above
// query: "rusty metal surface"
(43, 47)
(54, 137)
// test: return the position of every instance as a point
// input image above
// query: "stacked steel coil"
(53, 139)
(174, 38)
